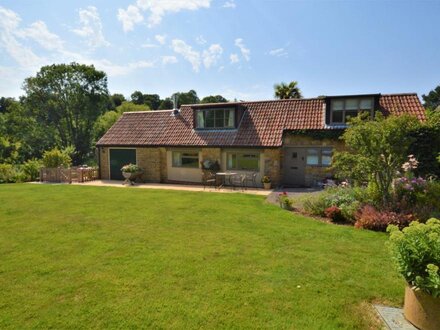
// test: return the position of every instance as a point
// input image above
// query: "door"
(119, 158)
(294, 166)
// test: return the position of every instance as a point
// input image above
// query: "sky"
(235, 48)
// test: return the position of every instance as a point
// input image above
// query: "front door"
(294, 166)
(119, 158)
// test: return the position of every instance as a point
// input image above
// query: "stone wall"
(104, 165)
(272, 165)
(313, 174)
(150, 160)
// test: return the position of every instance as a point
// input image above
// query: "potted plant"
(131, 172)
(416, 252)
(285, 201)
(266, 182)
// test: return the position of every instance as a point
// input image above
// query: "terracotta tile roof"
(262, 124)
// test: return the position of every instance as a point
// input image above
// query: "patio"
(224, 189)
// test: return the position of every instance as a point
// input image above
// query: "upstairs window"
(343, 109)
(216, 118)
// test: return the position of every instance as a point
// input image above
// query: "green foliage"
(69, 98)
(131, 168)
(432, 100)
(213, 99)
(103, 123)
(376, 150)
(131, 107)
(31, 169)
(7, 173)
(9, 151)
(416, 253)
(166, 104)
(116, 100)
(56, 158)
(287, 91)
(189, 97)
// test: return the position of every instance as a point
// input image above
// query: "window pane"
(326, 157)
(219, 118)
(200, 119)
(337, 105)
(248, 161)
(176, 159)
(209, 119)
(350, 114)
(229, 118)
(351, 104)
(232, 161)
(337, 117)
(190, 159)
(366, 104)
(312, 157)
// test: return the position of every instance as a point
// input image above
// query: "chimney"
(175, 110)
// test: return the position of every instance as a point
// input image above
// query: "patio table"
(223, 176)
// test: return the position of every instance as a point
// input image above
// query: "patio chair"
(209, 179)
(252, 179)
(238, 181)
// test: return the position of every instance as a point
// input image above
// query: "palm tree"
(287, 91)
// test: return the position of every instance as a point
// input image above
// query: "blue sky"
(235, 48)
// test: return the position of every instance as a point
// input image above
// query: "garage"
(119, 158)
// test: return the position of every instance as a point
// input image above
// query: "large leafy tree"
(432, 100)
(376, 150)
(189, 97)
(287, 91)
(69, 98)
(213, 99)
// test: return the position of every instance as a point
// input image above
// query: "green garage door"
(119, 158)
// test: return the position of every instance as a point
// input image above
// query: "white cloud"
(156, 9)
(201, 40)
(39, 32)
(169, 59)
(9, 32)
(278, 52)
(91, 27)
(192, 56)
(149, 45)
(129, 17)
(245, 52)
(229, 4)
(160, 38)
(212, 55)
(234, 58)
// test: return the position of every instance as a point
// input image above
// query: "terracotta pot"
(421, 309)
(266, 185)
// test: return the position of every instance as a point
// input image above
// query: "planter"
(266, 185)
(131, 176)
(285, 206)
(421, 309)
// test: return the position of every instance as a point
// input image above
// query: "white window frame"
(181, 152)
(344, 108)
(320, 152)
(215, 111)
(242, 153)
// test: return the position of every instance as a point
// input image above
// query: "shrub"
(284, 200)
(334, 213)
(31, 169)
(416, 253)
(370, 218)
(350, 210)
(316, 204)
(7, 173)
(56, 158)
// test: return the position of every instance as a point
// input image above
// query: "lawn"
(101, 257)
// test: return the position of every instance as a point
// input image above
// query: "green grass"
(100, 257)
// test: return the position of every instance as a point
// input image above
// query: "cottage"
(291, 141)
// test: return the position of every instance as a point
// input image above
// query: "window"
(312, 156)
(185, 159)
(343, 109)
(216, 118)
(319, 156)
(243, 161)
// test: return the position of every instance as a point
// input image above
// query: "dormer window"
(344, 108)
(216, 118)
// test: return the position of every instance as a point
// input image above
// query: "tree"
(432, 100)
(287, 91)
(69, 98)
(186, 98)
(137, 98)
(152, 101)
(166, 104)
(117, 99)
(376, 150)
(213, 99)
